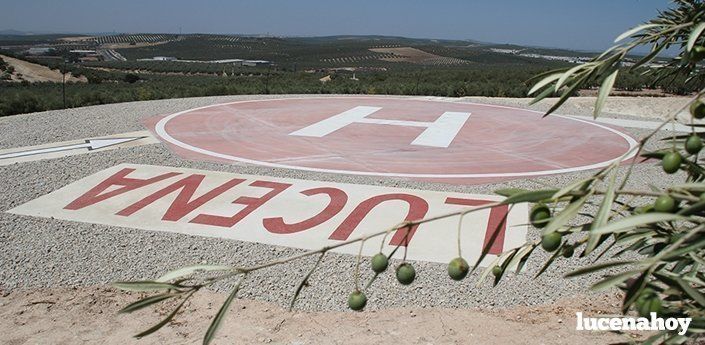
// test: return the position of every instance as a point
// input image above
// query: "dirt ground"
(88, 316)
(413, 55)
(32, 72)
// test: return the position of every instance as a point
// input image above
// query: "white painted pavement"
(75, 147)
(287, 212)
(89, 144)
(439, 133)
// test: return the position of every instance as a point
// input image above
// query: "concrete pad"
(280, 211)
(460, 143)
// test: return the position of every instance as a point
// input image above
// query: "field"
(416, 56)
(34, 73)
(355, 64)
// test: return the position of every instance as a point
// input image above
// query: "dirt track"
(33, 73)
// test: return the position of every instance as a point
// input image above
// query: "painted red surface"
(496, 226)
(186, 202)
(338, 199)
(495, 140)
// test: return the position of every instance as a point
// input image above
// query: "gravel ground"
(40, 252)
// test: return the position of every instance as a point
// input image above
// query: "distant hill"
(12, 33)
(339, 51)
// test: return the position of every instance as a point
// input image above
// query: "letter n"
(183, 204)
(251, 204)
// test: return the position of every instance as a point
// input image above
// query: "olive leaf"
(635, 30)
(145, 285)
(513, 191)
(530, 196)
(564, 216)
(602, 216)
(632, 222)
(550, 79)
(605, 90)
(613, 280)
(166, 320)
(597, 267)
(185, 271)
(218, 319)
(694, 35)
(147, 301)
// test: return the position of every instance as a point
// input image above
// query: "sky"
(581, 25)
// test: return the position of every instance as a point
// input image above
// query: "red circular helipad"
(398, 137)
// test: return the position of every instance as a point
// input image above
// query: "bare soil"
(417, 56)
(88, 315)
(31, 72)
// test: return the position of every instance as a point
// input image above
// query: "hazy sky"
(584, 24)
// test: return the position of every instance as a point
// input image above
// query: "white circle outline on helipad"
(160, 129)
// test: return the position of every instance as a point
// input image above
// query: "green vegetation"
(5, 70)
(110, 87)
(299, 64)
(319, 52)
(28, 40)
(135, 38)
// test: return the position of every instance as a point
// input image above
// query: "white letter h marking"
(439, 133)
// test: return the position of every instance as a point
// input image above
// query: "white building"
(253, 63)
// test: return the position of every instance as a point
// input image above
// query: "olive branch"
(666, 227)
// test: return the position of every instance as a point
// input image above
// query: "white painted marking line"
(439, 133)
(643, 124)
(639, 124)
(442, 132)
(160, 130)
(90, 144)
(334, 123)
(280, 211)
(74, 147)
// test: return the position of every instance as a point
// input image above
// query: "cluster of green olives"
(539, 217)
(672, 161)
(458, 269)
(405, 275)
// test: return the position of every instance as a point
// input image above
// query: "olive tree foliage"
(664, 227)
